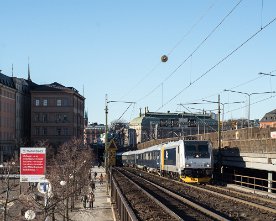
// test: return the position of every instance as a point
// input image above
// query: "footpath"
(102, 209)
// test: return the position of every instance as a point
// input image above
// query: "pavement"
(102, 210)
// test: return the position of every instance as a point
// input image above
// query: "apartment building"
(7, 117)
(57, 114)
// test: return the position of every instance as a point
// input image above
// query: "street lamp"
(249, 95)
(63, 183)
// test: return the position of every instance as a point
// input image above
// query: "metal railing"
(125, 212)
(254, 183)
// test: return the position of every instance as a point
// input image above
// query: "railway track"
(266, 203)
(178, 207)
(232, 207)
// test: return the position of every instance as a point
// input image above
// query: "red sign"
(32, 164)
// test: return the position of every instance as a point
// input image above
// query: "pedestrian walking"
(92, 185)
(95, 175)
(101, 179)
(91, 199)
(84, 200)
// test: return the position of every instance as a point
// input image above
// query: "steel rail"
(233, 198)
(186, 201)
(152, 197)
(264, 200)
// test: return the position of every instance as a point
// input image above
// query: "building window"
(58, 117)
(65, 118)
(44, 118)
(36, 117)
(58, 131)
(45, 131)
(59, 102)
(66, 131)
(65, 102)
(37, 131)
(45, 102)
(36, 102)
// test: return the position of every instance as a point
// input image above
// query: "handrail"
(244, 180)
(124, 210)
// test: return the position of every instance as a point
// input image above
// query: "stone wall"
(247, 140)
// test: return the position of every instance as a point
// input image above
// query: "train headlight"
(207, 165)
(188, 165)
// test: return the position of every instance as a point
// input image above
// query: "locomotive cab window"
(197, 151)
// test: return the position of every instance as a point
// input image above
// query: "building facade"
(269, 120)
(23, 110)
(93, 133)
(155, 125)
(7, 117)
(57, 114)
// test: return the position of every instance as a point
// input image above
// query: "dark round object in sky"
(164, 58)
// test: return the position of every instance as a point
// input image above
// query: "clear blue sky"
(114, 47)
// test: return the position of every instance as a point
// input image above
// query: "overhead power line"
(195, 50)
(234, 87)
(192, 28)
(256, 102)
(170, 52)
(220, 61)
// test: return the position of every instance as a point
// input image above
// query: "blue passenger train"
(188, 160)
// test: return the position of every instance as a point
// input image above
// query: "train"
(190, 161)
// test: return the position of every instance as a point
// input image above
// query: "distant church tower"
(29, 72)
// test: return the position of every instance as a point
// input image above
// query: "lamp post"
(106, 136)
(249, 97)
(66, 215)
(105, 142)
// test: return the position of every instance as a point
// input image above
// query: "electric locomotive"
(188, 160)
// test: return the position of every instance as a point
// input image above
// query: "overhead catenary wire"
(200, 119)
(192, 27)
(219, 62)
(171, 51)
(125, 111)
(256, 102)
(194, 51)
(233, 87)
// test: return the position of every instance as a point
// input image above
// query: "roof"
(142, 120)
(7, 81)
(54, 87)
(270, 116)
(156, 116)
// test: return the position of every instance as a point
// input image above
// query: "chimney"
(140, 115)
(145, 110)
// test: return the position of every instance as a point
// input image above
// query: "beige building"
(157, 125)
(269, 120)
(57, 114)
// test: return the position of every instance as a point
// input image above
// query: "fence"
(254, 183)
(124, 210)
